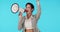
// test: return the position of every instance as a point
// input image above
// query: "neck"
(29, 15)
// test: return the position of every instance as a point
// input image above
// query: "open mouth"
(26, 10)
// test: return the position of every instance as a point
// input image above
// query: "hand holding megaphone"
(15, 8)
(21, 10)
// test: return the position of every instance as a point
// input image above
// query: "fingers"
(20, 15)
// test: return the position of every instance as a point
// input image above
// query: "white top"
(28, 24)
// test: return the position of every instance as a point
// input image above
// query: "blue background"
(48, 22)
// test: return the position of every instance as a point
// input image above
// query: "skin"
(29, 9)
(29, 13)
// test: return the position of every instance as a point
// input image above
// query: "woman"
(29, 22)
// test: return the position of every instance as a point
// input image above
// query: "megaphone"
(15, 8)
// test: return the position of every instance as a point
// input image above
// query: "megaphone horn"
(15, 8)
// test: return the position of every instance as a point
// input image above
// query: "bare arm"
(37, 16)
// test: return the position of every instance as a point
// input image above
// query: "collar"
(30, 17)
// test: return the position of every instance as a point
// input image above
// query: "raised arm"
(37, 16)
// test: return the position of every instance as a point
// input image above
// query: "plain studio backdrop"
(48, 22)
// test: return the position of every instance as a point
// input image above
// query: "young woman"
(29, 22)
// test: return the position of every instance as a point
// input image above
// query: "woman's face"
(29, 9)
